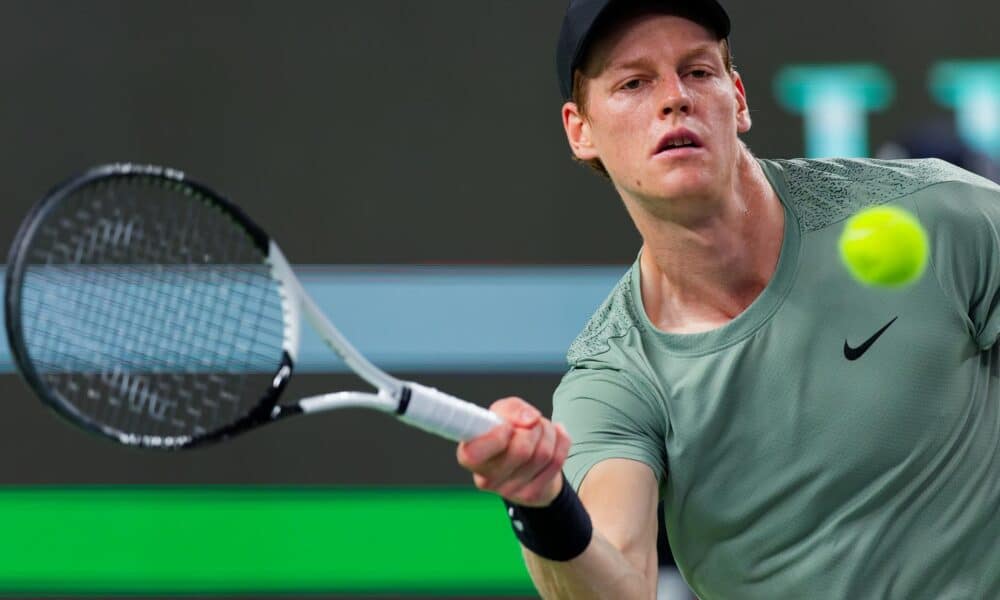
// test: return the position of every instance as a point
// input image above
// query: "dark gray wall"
(347, 447)
(375, 131)
(440, 118)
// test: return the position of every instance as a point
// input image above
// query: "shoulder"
(614, 320)
(824, 192)
(888, 178)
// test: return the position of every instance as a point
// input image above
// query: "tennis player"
(810, 437)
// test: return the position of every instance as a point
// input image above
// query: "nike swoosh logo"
(856, 353)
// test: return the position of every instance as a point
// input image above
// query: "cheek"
(727, 124)
(620, 123)
(628, 139)
(617, 146)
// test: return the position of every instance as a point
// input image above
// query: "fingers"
(513, 464)
(541, 455)
(516, 411)
(520, 460)
(474, 453)
(539, 491)
(539, 486)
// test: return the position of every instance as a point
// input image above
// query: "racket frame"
(17, 264)
(418, 405)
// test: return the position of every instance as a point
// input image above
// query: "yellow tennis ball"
(884, 246)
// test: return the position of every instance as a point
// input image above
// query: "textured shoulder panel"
(615, 317)
(825, 192)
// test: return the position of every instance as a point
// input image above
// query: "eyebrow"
(643, 61)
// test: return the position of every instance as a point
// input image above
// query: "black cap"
(583, 16)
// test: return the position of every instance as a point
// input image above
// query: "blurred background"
(409, 156)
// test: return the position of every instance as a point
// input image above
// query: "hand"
(520, 459)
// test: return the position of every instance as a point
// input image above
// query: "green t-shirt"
(786, 469)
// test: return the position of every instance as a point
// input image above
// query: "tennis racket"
(145, 307)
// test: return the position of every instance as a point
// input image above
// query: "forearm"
(602, 572)
(521, 461)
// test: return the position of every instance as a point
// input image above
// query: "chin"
(685, 182)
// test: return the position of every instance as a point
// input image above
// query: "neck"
(703, 267)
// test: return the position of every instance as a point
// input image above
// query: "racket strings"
(150, 309)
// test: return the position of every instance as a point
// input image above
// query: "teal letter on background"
(972, 89)
(835, 101)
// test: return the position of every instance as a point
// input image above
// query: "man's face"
(663, 112)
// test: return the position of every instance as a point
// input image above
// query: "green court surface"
(217, 540)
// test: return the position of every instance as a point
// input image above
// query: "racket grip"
(445, 415)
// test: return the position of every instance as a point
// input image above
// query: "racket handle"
(445, 415)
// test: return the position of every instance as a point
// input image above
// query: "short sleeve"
(964, 223)
(607, 417)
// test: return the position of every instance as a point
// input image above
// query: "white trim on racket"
(421, 406)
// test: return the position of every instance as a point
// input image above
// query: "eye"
(700, 73)
(632, 84)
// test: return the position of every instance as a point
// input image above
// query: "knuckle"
(482, 482)
(521, 450)
(511, 409)
(532, 494)
(462, 456)
(511, 491)
(543, 455)
(506, 403)
(470, 460)
(563, 446)
(542, 458)
(549, 444)
(546, 475)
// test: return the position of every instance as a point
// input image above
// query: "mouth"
(677, 141)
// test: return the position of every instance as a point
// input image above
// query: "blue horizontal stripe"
(450, 319)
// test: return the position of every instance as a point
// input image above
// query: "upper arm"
(621, 497)
(964, 224)
(608, 417)
(617, 459)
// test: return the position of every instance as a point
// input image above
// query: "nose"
(675, 98)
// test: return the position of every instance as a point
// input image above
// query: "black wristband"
(560, 531)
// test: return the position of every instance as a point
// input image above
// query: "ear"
(578, 132)
(743, 121)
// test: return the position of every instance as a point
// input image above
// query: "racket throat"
(281, 411)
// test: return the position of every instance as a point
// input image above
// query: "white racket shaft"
(429, 409)
(418, 405)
